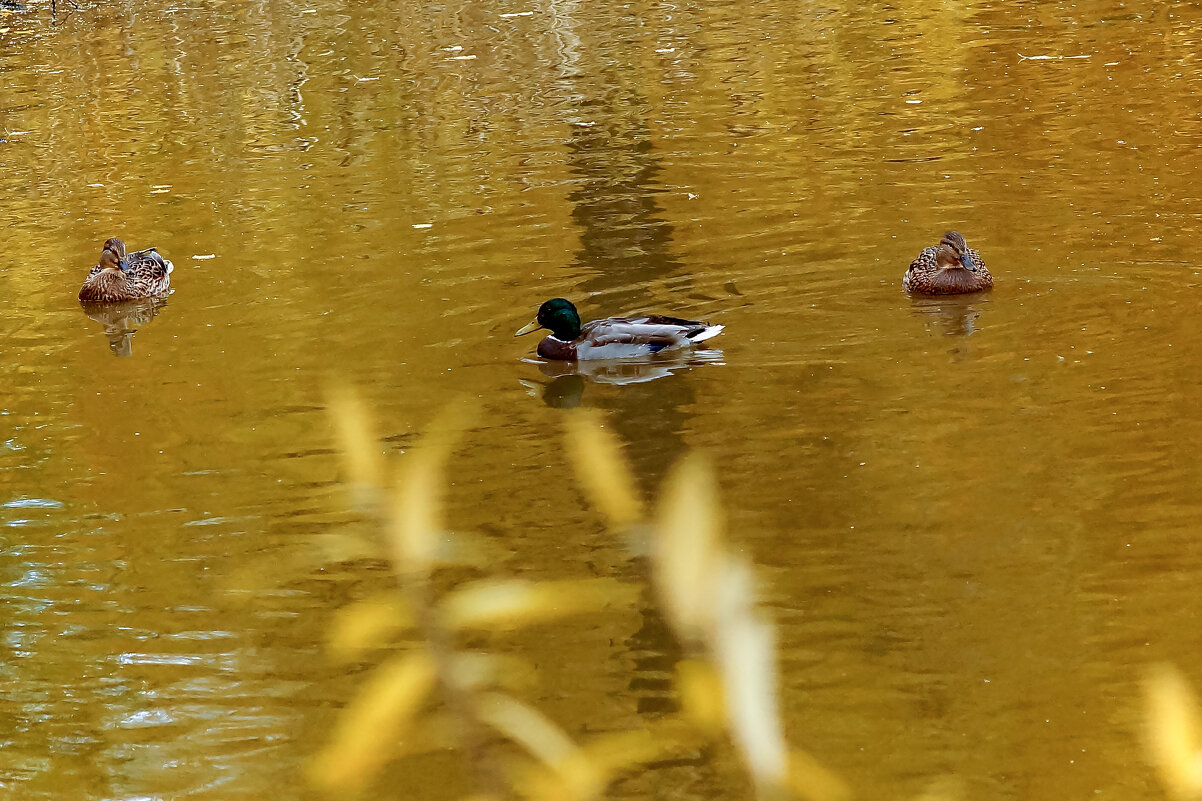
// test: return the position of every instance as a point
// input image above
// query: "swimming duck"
(119, 276)
(612, 337)
(949, 268)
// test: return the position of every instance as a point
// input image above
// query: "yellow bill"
(533, 325)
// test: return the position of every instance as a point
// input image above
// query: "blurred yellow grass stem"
(416, 516)
(601, 469)
(810, 779)
(369, 728)
(475, 671)
(569, 771)
(1173, 732)
(700, 689)
(368, 624)
(709, 594)
(510, 603)
(688, 554)
(360, 448)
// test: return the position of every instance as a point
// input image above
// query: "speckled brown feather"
(926, 277)
(120, 277)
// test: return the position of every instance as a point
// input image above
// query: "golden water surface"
(976, 519)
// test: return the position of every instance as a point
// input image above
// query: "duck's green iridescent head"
(559, 317)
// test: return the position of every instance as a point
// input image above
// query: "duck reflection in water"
(569, 379)
(121, 320)
(561, 392)
(955, 315)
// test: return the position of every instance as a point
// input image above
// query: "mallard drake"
(119, 276)
(949, 268)
(612, 337)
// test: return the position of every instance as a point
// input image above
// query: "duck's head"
(952, 253)
(110, 258)
(116, 245)
(559, 317)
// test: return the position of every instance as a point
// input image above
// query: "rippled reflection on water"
(975, 516)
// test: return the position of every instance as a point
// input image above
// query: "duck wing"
(623, 337)
(924, 261)
(148, 263)
(978, 261)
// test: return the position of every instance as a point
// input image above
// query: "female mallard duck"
(949, 268)
(120, 276)
(613, 337)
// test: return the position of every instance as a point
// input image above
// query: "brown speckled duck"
(119, 276)
(949, 268)
(611, 337)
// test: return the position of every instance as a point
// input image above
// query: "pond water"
(975, 519)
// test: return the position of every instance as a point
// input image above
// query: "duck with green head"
(949, 268)
(611, 337)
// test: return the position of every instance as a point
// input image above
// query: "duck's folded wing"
(655, 332)
(150, 261)
(924, 260)
(977, 260)
(662, 320)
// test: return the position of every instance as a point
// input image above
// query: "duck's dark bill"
(533, 325)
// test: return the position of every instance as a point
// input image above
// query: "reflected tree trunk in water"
(625, 254)
(625, 242)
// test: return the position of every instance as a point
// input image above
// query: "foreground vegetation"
(437, 694)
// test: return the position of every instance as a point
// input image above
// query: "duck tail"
(702, 334)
